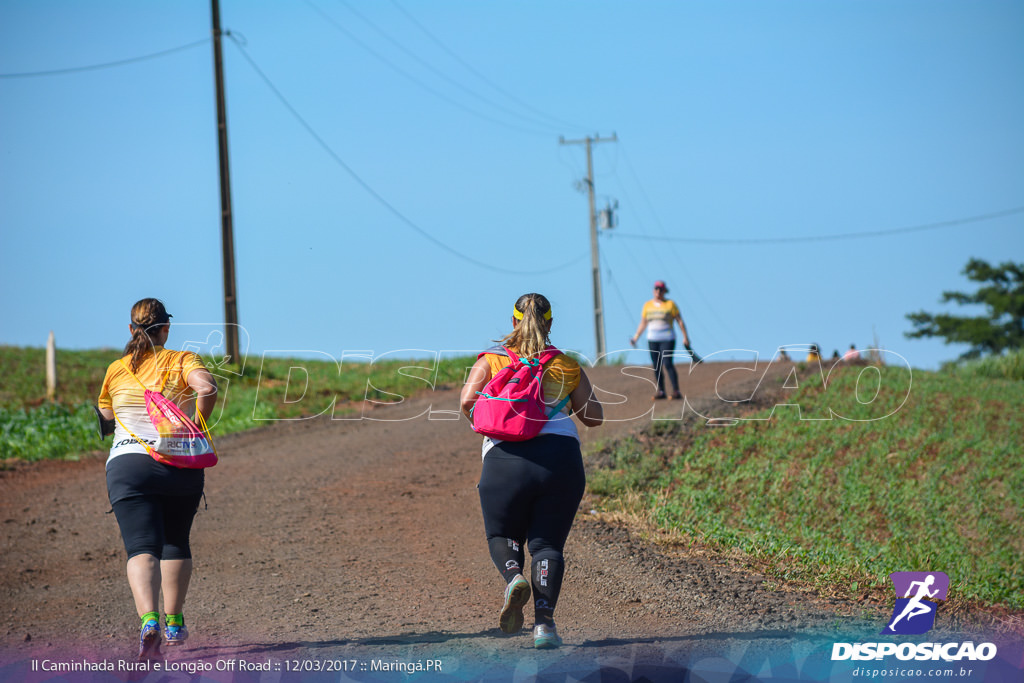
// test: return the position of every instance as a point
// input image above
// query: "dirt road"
(356, 547)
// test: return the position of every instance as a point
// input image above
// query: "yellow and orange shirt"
(126, 397)
(660, 315)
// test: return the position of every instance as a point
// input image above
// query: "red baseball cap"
(660, 284)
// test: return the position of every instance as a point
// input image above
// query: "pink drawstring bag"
(180, 442)
(511, 406)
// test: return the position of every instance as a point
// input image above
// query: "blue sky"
(736, 121)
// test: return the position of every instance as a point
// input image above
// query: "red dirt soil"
(349, 545)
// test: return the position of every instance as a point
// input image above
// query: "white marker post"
(51, 368)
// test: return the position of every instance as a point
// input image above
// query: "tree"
(1000, 329)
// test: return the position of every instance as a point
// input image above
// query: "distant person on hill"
(154, 503)
(782, 355)
(813, 355)
(851, 354)
(530, 489)
(658, 317)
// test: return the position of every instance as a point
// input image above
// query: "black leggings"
(530, 490)
(661, 358)
(157, 525)
(154, 505)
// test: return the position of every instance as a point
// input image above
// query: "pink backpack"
(180, 442)
(511, 406)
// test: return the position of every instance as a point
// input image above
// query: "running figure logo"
(914, 613)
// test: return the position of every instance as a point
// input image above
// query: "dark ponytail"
(148, 316)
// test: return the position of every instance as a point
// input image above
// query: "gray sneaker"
(545, 637)
(517, 594)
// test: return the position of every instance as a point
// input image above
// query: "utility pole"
(595, 261)
(227, 240)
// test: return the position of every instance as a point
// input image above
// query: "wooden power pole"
(595, 261)
(227, 240)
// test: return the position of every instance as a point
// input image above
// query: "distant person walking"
(154, 503)
(530, 489)
(851, 354)
(659, 317)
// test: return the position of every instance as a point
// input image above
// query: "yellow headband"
(519, 316)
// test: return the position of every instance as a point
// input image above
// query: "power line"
(405, 74)
(440, 74)
(615, 285)
(694, 286)
(830, 238)
(106, 65)
(373, 193)
(481, 76)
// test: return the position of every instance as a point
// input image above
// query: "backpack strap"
(163, 384)
(557, 408)
(548, 353)
(132, 434)
(544, 356)
(145, 388)
(499, 350)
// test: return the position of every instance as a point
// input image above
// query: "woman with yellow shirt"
(529, 490)
(154, 503)
(658, 317)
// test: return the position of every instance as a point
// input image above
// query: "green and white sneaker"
(517, 594)
(545, 637)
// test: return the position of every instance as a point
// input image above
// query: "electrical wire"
(706, 334)
(469, 67)
(830, 238)
(622, 298)
(680, 267)
(443, 76)
(106, 65)
(405, 74)
(376, 195)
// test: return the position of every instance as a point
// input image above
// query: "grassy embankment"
(31, 428)
(938, 485)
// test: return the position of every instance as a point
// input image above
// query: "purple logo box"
(901, 582)
(916, 596)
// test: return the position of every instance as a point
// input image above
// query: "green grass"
(32, 428)
(937, 485)
(1005, 366)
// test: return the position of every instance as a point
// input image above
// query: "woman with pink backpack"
(154, 502)
(520, 395)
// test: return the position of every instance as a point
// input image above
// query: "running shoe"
(660, 395)
(517, 594)
(545, 637)
(676, 396)
(149, 640)
(175, 635)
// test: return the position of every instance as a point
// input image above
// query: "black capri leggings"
(530, 490)
(154, 505)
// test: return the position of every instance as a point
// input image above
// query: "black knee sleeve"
(547, 569)
(507, 555)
